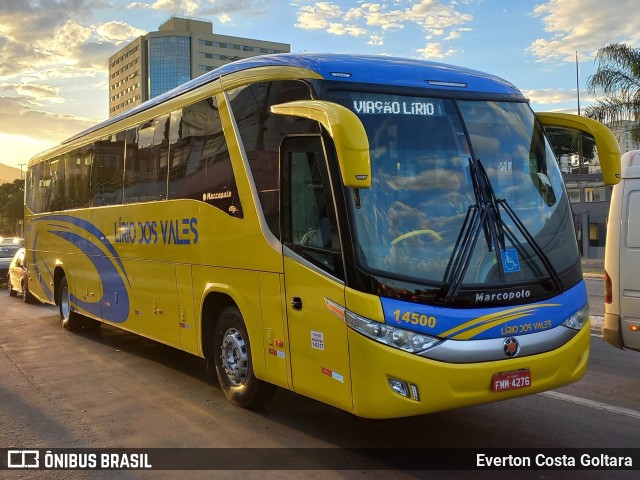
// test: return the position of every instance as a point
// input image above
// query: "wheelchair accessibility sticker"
(510, 261)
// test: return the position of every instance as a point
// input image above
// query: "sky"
(54, 53)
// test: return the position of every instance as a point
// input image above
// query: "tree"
(11, 206)
(618, 76)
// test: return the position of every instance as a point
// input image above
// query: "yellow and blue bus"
(388, 236)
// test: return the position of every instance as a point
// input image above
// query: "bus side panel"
(275, 334)
(319, 340)
(40, 272)
(629, 288)
(241, 287)
(155, 300)
(189, 332)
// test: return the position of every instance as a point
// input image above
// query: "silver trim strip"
(471, 351)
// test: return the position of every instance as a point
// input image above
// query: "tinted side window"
(45, 186)
(200, 166)
(33, 184)
(147, 160)
(107, 171)
(309, 218)
(261, 133)
(77, 177)
(56, 198)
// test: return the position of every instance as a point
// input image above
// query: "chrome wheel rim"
(235, 358)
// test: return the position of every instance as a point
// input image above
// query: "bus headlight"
(405, 340)
(578, 319)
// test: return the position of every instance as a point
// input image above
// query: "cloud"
(438, 21)
(18, 117)
(547, 97)
(186, 7)
(45, 47)
(435, 50)
(64, 36)
(583, 26)
(36, 93)
(206, 7)
(117, 32)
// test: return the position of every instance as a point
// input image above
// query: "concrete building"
(181, 49)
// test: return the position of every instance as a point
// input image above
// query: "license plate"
(503, 381)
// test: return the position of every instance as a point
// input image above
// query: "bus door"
(313, 269)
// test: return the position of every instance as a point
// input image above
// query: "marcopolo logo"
(484, 297)
(216, 196)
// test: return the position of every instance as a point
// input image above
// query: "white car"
(7, 252)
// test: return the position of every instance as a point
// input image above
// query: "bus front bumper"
(436, 386)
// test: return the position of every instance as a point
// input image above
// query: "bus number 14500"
(415, 318)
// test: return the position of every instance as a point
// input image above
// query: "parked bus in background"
(388, 236)
(622, 259)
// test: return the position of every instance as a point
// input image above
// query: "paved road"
(114, 389)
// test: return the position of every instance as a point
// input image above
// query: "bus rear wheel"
(69, 319)
(232, 356)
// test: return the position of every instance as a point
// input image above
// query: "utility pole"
(577, 83)
(580, 159)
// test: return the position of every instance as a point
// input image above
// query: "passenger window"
(56, 199)
(107, 170)
(77, 177)
(261, 133)
(45, 190)
(147, 160)
(200, 166)
(309, 226)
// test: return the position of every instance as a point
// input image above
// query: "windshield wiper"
(546, 262)
(496, 204)
(474, 222)
(485, 215)
(496, 225)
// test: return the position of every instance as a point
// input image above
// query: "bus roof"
(380, 70)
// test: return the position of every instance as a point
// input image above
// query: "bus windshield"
(464, 192)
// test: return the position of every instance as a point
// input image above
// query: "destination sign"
(397, 107)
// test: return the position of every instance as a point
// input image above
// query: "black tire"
(232, 356)
(69, 319)
(26, 294)
(12, 292)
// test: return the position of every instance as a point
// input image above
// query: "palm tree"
(618, 76)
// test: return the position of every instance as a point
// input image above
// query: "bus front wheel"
(70, 320)
(232, 355)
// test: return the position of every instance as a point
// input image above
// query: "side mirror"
(606, 144)
(347, 131)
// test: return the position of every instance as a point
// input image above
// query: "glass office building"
(169, 63)
(180, 50)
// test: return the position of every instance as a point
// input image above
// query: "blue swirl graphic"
(112, 281)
